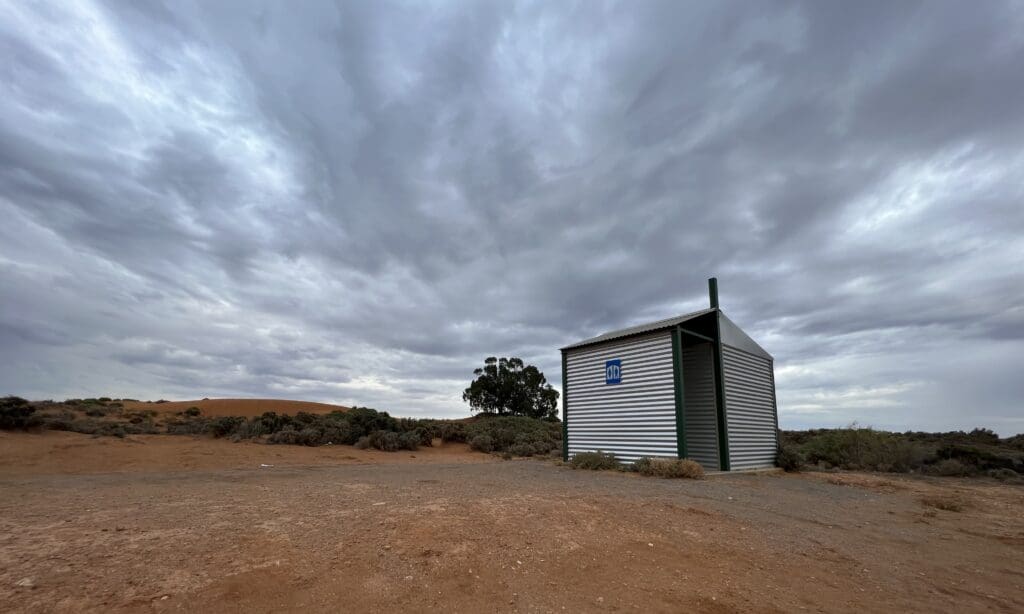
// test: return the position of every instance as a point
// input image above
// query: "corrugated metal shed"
(694, 386)
(636, 418)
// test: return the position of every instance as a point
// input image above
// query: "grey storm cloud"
(358, 201)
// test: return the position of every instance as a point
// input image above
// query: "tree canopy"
(507, 386)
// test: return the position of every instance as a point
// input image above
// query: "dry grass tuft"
(944, 502)
(669, 468)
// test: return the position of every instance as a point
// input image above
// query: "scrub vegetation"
(956, 453)
(361, 427)
(669, 468)
(515, 435)
(597, 461)
(648, 466)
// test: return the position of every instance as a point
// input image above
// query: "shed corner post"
(719, 370)
(775, 407)
(677, 375)
(565, 409)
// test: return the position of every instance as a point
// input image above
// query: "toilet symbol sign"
(613, 371)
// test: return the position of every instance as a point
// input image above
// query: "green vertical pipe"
(677, 375)
(713, 292)
(723, 432)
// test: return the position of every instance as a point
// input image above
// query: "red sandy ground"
(179, 524)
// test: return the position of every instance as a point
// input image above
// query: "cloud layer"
(358, 202)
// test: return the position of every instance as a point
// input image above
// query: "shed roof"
(641, 328)
(732, 335)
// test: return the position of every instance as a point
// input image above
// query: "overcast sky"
(358, 202)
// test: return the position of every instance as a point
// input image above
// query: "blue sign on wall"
(613, 371)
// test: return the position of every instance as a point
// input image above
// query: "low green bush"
(790, 458)
(518, 435)
(1003, 475)
(481, 443)
(388, 441)
(225, 426)
(453, 432)
(951, 467)
(594, 460)
(190, 426)
(297, 437)
(668, 468)
(17, 413)
(864, 449)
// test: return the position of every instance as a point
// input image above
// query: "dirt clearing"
(326, 533)
(57, 452)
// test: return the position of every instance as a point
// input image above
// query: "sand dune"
(237, 407)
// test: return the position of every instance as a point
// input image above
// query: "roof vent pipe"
(713, 291)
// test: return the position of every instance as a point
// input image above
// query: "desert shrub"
(521, 449)
(951, 467)
(143, 427)
(789, 458)
(288, 436)
(502, 433)
(380, 440)
(453, 432)
(388, 441)
(594, 460)
(189, 426)
(365, 420)
(306, 418)
(422, 435)
(337, 433)
(669, 468)
(409, 440)
(310, 437)
(302, 437)
(979, 450)
(641, 465)
(268, 423)
(362, 443)
(481, 443)
(112, 430)
(865, 449)
(1003, 475)
(980, 456)
(983, 436)
(59, 422)
(18, 414)
(224, 425)
(427, 428)
(193, 411)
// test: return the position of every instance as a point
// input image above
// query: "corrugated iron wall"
(701, 420)
(750, 409)
(632, 419)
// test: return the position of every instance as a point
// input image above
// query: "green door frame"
(677, 375)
